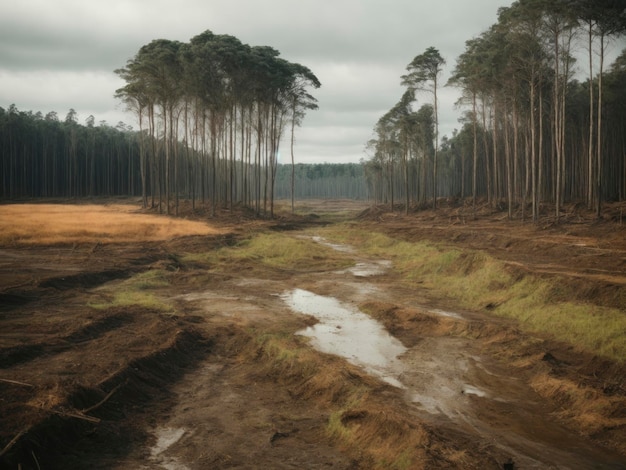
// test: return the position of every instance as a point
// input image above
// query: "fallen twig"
(101, 402)
(76, 414)
(12, 442)
(15, 382)
(35, 459)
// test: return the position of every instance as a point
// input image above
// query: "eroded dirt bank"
(219, 379)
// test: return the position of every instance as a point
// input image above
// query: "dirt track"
(133, 387)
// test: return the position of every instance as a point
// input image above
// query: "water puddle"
(345, 331)
(369, 268)
(167, 437)
(334, 246)
(445, 313)
(361, 268)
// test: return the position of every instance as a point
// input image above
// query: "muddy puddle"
(166, 438)
(345, 331)
(362, 267)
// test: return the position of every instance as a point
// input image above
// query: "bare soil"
(136, 387)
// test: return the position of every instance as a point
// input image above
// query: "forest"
(322, 181)
(65, 159)
(542, 124)
(532, 132)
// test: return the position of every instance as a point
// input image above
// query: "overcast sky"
(57, 55)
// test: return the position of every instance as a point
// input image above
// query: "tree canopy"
(230, 103)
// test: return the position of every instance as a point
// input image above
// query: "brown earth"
(214, 382)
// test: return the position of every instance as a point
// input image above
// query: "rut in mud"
(254, 367)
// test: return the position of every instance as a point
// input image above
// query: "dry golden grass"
(30, 224)
(591, 410)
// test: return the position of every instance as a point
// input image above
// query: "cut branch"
(12, 442)
(101, 402)
(16, 382)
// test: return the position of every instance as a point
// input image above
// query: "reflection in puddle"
(347, 332)
(367, 269)
(360, 269)
(334, 246)
(445, 313)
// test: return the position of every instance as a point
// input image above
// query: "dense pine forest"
(51, 157)
(543, 122)
(44, 156)
(322, 180)
(533, 130)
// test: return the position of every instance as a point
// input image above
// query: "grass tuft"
(138, 290)
(585, 406)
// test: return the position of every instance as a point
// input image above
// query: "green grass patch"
(273, 250)
(279, 347)
(336, 427)
(152, 279)
(138, 290)
(476, 281)
(128, 298)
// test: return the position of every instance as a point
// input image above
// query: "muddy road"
(251, 367)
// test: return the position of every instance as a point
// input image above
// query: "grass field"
(31, 224)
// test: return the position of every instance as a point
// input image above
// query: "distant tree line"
(322, 181)
(43, 156)
(532, 133)
(212, 114)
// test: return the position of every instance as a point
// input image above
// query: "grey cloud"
(60, 55)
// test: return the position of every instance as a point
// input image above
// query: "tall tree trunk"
(533, 150)
(590, 152)
(557, 134)
(293, 165)
(599, 131)
(474, 152)
(494, 144)
(507, 156)
(488, 169)
(436, 143)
